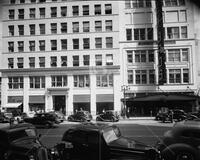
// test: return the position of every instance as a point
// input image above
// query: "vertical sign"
(161, 50)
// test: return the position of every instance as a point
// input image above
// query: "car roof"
(15, 127)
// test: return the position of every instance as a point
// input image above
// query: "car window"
(110, 135)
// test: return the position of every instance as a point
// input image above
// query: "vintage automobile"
(4, 118)
(100, 141)
(46, 120)
(182, 142)
(108, 115)
(21, 142)
(174, 115)
(80, 116)
(60, 116)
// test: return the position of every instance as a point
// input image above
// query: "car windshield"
(22, 134)
(111, 134)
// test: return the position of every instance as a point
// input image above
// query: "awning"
(12, 105)
(81, 98)
(104, 98)
(37, 99)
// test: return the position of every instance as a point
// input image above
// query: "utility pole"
(161, 50)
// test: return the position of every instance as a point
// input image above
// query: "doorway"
(59, 103)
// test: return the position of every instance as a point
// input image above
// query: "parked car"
(181, 142)
(46, 120)
(60, 116)
(174, 115)
(159, 116)
(4, 118)
(80, 116)
(93, 141)
(21, 142)
(108, 115)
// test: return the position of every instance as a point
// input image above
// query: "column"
(93, 107)
(69, 100)
(26, 94)
(4, 91)
(48, 96)
(117, 93)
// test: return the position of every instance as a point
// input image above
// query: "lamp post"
(125, 88)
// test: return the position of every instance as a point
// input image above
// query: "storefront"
(104, 102)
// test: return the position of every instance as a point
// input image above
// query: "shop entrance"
(59, 103)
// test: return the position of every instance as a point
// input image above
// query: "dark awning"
(37, 99)
(163, 97)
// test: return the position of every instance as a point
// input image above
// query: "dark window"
(75, 60)
(97, 9)
(108, 9)
(75, 43)
(128, 34)
(86, 10)
(75, 10)
(53, 45)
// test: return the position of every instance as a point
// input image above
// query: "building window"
(174, 76)
(53, 12)
(63, 11)
(109, 59)
(108, 9)
(185, 55)
(105, 80)
(32, 62)
(141, 3)
(32, 13)
(109, 25)
(33, 1)
(53, 28)
(75, 60)
(20, 62)
(64, 61)
(140, 56)
(75, 10)
(130, 76)
(58, 81)
(149, 33)
(53, 45)
(42, 28)
(150, 55)
(42, 12)
(15, 82)
(141, 76)
(151, 76)
(42, 62)
(185, 75)
(81, 81)
(42, 45)
(10, 46)
(174, 55)
(97, 9)
(98, 26)
(20, 13)
(139, 34)
(11, 30)
(128, 34)
(53, 61)
(184, 33)
(32, 29)
(75, 43)
(64, 44)
(130, 57)
(11, 14)
(173, 32)
(86, 26)
(109, 42)
(98, 60)
(63, 27)
(20, 46)
(10, 63)
(42, 1)
(86, 43)
(98, 42)
(172, 3)
(21, 30)
(37, 82)
(75, 27)
(86, 60)
(12, 1)
(32, 46)
(86, 10)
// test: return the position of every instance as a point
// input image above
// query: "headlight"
(31, 157)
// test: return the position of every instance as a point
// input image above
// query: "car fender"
(170, 151)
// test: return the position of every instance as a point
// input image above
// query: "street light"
(125, 88)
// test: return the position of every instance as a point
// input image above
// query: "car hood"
(129, 143)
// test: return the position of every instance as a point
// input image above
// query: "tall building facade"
(61, 55)
(67, 55)
(139, 45)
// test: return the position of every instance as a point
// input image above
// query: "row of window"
(147, 33)
(147, 3)
(63, 10)
(62, 28)
(63, 44)
(26, 1)
(146, 56)
(63, 61)
(148, 76)
(80, 81)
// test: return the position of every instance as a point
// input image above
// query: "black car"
(182, 142)
(46, 120)
(4, 118)
(174, 115)
(21, 142)
(100, 141)
(108, 115)
(80, 116)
